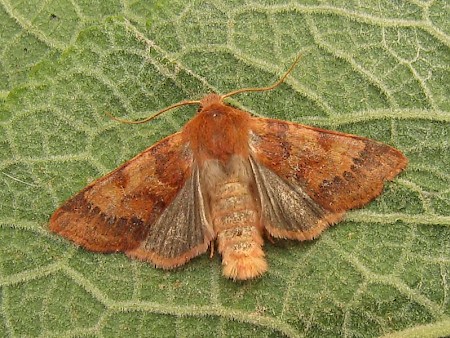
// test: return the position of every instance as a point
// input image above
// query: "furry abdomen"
(235, 217)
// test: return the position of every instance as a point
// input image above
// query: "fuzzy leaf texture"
(378, 69)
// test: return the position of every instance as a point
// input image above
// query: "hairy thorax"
(218, 132)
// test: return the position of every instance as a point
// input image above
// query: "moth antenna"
(151, 117)
(261, 89)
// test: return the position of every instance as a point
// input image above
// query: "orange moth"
(231, 179)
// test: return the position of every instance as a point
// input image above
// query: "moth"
(229, 178)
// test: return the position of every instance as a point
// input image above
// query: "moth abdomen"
(242, 254)
(236, 222)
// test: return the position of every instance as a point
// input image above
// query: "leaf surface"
(379, 70)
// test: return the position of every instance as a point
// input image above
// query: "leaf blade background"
(379, 71)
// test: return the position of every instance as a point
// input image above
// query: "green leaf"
(376, 69)
(35, 30)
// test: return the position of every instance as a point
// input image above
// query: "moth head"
(210, 99)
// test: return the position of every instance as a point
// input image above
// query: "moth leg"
(269, 237)
(211, 255)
